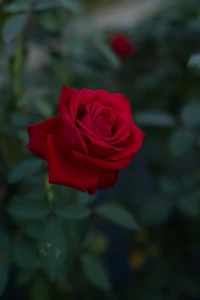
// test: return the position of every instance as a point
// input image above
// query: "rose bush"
(122, 46)
(92, 139)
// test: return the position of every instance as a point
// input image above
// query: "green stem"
(17, 67)
(49, 191)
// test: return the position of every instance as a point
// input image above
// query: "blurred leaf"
(30, 207)
(194, 61)
(44, 107)
(158, 119)
(109, 55)
(22, 135)
(84, 198)
(71, 5)
(169, 186)
(181, 142)
(33, 229)
(190, 205)
(24, 277)
(5, 239)
(46, 4)
(26, 256)
(40, 290)
(99, 244)
(67, 268)
(190, 113)
(18, 6)
(53, 247)
(50, 21)
(155, 211)
(95, 272)
(117, 215)
(4, 275)
(25, 169)
(72, 211)
(13, 25)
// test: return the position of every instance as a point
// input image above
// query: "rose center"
(103, 121)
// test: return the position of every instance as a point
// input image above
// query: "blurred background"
(50, 43)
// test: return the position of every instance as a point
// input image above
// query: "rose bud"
(122, 46)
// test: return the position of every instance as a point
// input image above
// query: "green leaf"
(156, 119)
(25, 169)
(13, 25)
(155, 211)
(4, 240)
(26, 256)
(53, 248)
(109, 55)
(118, 215)
(95, 272)
(84, 198)
(40, 290)
(71, 5)
(190, 114)
(46, 4)
(30, 207)
(181, 142)
(4, 275)
(194, 61)
(18, 6)
(34, 229)
(24, 277)
(190, 205)
(72, 211)
(43, 107)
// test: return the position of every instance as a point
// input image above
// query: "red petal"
(38, 135)
(119, 160)
(66, 169)
(66, 103)
(107, 178)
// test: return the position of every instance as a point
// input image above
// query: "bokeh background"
(43, 47)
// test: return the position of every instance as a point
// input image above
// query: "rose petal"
(96, 146)
(99, 162)
(107, 178)
(66, 103)
(66, 169)
(38, 135)
(117, 102)
(120, 160)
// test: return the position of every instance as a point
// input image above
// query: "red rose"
(122, 46)
(89, 142)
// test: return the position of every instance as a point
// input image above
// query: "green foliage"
(25, 169)
(95, 272)
(181, 141)
(53, 247)
(4, 275)
(194, 61)
(72, 211)
(29, 207)
(26, 256)
(13, 26)
(191, 114)
(157, 119)
(118, 215)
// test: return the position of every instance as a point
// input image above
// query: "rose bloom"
(92, 139)
(122, 46)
